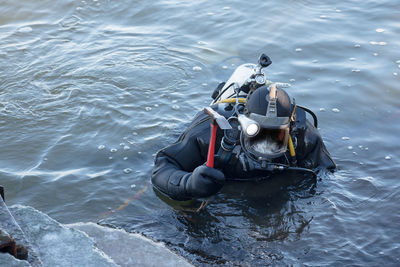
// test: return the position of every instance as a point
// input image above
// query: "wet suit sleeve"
(174, 164)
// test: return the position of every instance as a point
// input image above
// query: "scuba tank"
(246, 77)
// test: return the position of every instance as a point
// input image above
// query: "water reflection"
(238, 224)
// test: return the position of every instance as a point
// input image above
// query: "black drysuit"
(175, 163)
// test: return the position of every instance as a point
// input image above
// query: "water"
(81, 81)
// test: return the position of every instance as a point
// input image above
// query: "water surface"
(90, 90)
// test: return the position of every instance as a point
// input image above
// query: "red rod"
(211, 147)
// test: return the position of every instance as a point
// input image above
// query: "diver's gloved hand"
(204, 182)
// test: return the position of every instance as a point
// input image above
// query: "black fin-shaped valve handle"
(264, 60)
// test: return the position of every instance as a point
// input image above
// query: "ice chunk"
(58, 245)
(9, 261)
(128, 249)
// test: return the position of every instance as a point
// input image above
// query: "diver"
(267, 134)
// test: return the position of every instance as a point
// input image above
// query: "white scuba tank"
(240, 76)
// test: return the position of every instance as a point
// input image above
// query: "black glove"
(204, 182)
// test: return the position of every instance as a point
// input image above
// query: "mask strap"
(293, 116)
(271, 109)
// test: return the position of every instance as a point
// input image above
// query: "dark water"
(90, 90)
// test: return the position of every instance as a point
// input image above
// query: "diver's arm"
(179, 171)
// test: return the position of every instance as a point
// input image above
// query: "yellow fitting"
(291, 147)
(232, 100)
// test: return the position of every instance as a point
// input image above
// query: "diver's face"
(269, 142)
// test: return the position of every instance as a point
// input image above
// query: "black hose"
(312, 114)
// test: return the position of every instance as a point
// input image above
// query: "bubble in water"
(292, 80)
(135, 133)
(110, 158)
(113, 150)
(202, 43)
(174, 101)
(175, 107)
(204, 84)
(299, 49)
(323, 17)
(139, 152)
(125, 158)
(345, 138)
(100, 147)
(357, 45)
(388, 157)
(380, 30)
(122, 144)
(336, 110)
(349, 147)
(210, 13)
(355, 153)
(156, 105)
(126, 148)
(378, 43)
(133, 185)
(352, 59)
(224, 67)
(355, 70)
(315, 61)
(375, 54)
(322, 109)
(226, 8)
(395, 73)
(25, 29)
(338, 10)
(127, 170)
(197, 68)
(148, 108)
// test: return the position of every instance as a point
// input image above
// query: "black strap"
(312, 114)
